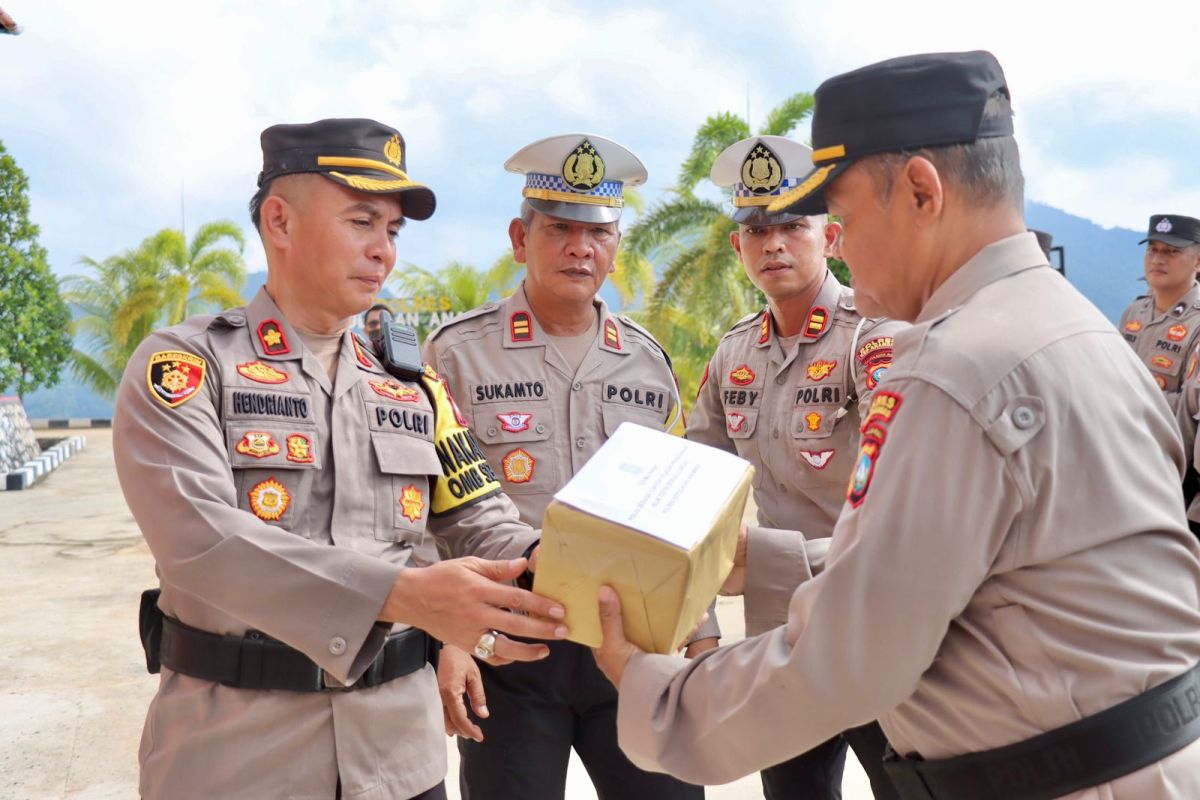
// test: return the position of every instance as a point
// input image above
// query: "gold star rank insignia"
(584, 169)
(761, 172)
(272, 338)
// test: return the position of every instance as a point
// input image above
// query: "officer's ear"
(920, 190)
(277, 217)
(735, 241)
(516, 235)
(833, 239)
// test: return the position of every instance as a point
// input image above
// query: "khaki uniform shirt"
(1188, 417)
(794, 414)
(1013, 555)
(277, 501)
(538, 421)
(1163, 341)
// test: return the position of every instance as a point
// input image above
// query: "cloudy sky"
(117, 109)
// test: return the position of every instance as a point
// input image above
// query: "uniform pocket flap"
(274, 446)
(740, 422)
(406, 455)
(498, 427)
(814, 422)
(614, 415)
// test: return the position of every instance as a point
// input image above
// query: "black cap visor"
(808, 198)
(1166, 238)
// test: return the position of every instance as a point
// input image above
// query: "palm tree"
(702, 288)
(161, 282)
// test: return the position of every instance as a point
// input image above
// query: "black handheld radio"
(398, 348)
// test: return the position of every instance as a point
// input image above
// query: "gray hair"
(987, 171)
(527, 212)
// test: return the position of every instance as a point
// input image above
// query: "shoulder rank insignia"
(743, 375)
(876, 357)
(761, 172)
(884, 406)
(583, 169)
(817, 459)
(412, 503)
(393, 390)
(518, 466)
(817, 318)
(612, 337)
(299, 449)
(764, 329)
(269, 499)
(174, 377)
(262, 373)
(514, 421)
(1177, 333)
(257, 445)
(272, 338)
(820, 369)
(1133, 326)
(360, 354)
(519, 327)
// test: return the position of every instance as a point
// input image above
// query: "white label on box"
(659, 484)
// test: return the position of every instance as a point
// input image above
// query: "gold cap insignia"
(393, 151)
(584, 168)
(761, 172)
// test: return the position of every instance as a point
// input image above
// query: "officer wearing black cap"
(1013, 560)
(1163, 326)
(282, 478)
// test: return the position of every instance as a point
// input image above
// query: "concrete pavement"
(73, 684)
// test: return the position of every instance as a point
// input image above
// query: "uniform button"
(577, 386)
(491, 431)
(337, 645)
(779, 378)
(580, 442)
(1023, 417)
(774, 434)
(540, 428)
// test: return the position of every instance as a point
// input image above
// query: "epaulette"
(486, 308)
(648, 335)
(743, 323)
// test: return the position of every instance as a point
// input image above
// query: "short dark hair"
(987, 171)
(378, 307)
(256, 202)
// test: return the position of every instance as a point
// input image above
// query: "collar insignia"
(611, 337)
(272, 338)
(816, 322)
(360, 354)
(764, 330)
(519, 327)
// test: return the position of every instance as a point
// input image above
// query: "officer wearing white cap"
(282, 479)
(1011, 588)
(1163, 326)
(545, 376)
(787, 389)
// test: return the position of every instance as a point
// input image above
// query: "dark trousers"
(817, 774)
(539, 711)
(436, 793)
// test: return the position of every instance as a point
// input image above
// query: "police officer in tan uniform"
(545, 377)
(1011, 588)
(281, 478)
(1164, 326)
(787, 390)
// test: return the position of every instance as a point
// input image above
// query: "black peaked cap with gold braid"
(904, 103)
(363, 154)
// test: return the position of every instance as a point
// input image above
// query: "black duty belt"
(1091, 751)
(256, 661)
